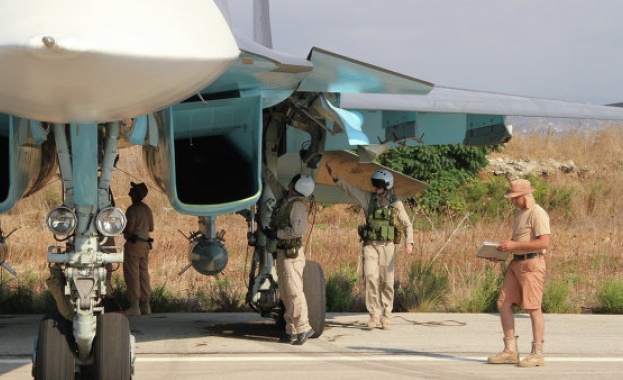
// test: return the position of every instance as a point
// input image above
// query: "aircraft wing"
(458, 116)
(452, 100)
(349, 167)
(339, 74)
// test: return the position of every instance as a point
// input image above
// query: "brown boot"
(385, 324)
(536, 358)
(145, 308)
(133, 310)
(510, 355)
(373, 322)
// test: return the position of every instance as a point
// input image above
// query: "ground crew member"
(287, 226)
(386, 223)
(136, 251)
(523, 282)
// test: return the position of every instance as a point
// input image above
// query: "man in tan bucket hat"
(523, 281)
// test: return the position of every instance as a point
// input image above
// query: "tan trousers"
(290, 272)
(136, 270)
(378, 269)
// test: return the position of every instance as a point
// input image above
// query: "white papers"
(489, 250)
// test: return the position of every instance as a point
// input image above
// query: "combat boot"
(535, 358)
(385, 324)
(145, 308)
(373, 322)
(510, 355)
(133, 310)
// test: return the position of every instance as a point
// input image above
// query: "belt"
(368, 242)
(285, 246)
(526, 256)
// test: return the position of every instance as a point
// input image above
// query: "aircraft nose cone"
(67, 63)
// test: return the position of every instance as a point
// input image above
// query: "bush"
(340, 290)
(485, 198)
(227, 296)
(444, 167)
(610, 296)
(483, 291)
(424, 291)
(19, 296)
(555, 297)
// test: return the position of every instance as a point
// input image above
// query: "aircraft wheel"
(280, 319)
(314, 287)
(112, 347)
(55, 349)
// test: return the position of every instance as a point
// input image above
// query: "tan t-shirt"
(140, 221)
(529, 224)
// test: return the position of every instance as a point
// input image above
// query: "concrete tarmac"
(418, 346)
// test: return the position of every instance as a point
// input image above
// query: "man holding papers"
(523, 282)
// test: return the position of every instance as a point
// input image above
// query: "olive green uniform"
(379, 255)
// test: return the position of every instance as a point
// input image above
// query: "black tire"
(55, 349)
(112, 348)
(314, 287)
(280, 319)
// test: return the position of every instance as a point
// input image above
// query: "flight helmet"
(303, 184)
(382, 179)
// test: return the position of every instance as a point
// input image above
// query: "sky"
(559, 49)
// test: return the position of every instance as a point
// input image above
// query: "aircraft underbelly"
(113, 60)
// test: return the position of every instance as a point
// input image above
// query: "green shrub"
(483, 292)
(163, 300)
(610, 296)
(444, 167)
(340, 290)
(424, 291)
(555, 297)
(18, 296)
(485, 198)
(560, 199)
(227, 296)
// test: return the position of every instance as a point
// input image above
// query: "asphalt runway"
(419, 346)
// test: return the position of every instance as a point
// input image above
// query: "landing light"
(61, 221)
(110, 221)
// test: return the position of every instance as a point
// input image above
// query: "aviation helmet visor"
(378, 183)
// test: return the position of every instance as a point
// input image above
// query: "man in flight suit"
(287, 226)
(136, 251)
(386, 222)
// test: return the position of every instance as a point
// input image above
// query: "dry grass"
(586, 243)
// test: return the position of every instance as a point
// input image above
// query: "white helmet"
(381, 177)
(303, 184)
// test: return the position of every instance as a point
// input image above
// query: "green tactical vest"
(281, 220)
(382, 223)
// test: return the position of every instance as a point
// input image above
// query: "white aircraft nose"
(94, 61)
